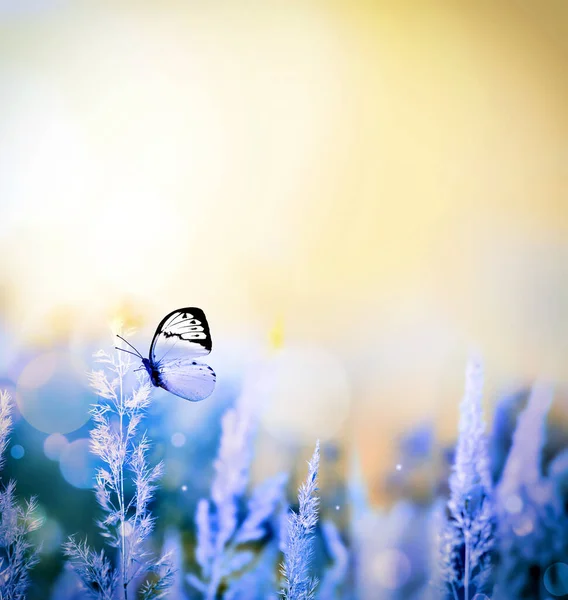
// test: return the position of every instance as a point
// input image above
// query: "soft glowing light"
(51, 395)
(184, 488)
(17, 452)
(392, 569)
(307, 394)
(513, 504)
(115, 259)
(175, 474)
(53, 445)
(138, 161)
(38, 371)
(50, 536)
(556, 579)
(541, 494)
(399, 467)
(78, 465)
(523, 525)
(178, 439)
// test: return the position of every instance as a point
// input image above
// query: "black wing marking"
(182, 333)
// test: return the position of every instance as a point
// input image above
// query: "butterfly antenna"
(133, 348)
(127, 351)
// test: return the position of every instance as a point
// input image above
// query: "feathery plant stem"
(298, 552)
(128, 522)
(121, 497)
(468, 535)
(17, 555)
(5, 423)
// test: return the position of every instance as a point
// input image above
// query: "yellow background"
(386, 179)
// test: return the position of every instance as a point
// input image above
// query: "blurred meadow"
(359, 194)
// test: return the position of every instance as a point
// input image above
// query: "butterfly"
(180, 338)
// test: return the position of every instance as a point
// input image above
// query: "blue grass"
(216, 519)
(492, 541)
(266, 506)
(334, 579)
(299, 549)
(17, 554)
(127, 522)
(220, 537)
(174, 549)
(533, 525)
(265, 500)
(98, 577)
(67, 586)
(5, 423)
(467, 540)
(523, 465)
(259, 582)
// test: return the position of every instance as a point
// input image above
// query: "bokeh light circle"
(78, 466)
(17, 452)
(556, 579)
(305, 392)
(38, 371)
(51, 394)
(523, 525)
(53, 445)
(513, 504)
(49, 536)
(392, 569)
(178, 439)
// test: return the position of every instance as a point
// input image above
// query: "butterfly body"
(182, 336)
(153, 373)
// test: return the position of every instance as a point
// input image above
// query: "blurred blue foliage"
(503, 494)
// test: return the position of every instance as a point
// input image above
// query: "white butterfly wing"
(183, 334)
(180, 338)
(186, 378)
